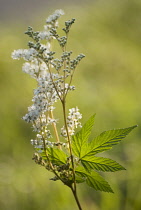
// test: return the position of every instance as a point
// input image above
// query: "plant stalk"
(76, 198)
(69, 142)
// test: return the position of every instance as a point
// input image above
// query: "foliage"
(85, 152)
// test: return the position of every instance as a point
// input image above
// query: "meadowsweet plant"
(70, 156)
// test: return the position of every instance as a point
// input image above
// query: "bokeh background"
(108, 83)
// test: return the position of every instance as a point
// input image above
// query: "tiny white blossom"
(44, 35)
(26, 54)
(39, 136)
(17, 54)
(29, 54)
(30, 68)
(54, 16)
(32, 115)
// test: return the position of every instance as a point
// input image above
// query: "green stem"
(74, 189)
(76, 198)
(69, 142)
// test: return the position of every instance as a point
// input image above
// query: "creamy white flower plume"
(72, 122)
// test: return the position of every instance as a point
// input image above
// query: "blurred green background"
(108, 83)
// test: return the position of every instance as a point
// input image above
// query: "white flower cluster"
(72, 122)
(51, 22)
(54, 17)
(38, 143)
(40, 64)
(41, 124)
(34, 68)
(26, 54)
(44, 97)
(44, 35)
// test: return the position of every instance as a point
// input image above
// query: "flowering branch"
(72, 157)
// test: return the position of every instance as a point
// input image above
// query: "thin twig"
(76, 198)
(55, 129)
(70, 148)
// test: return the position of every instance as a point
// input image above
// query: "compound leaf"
(94, 180)
(79, 143)
(107, 140)
(100, 164)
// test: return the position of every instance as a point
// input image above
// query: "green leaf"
(107, 139)
(57, 156)
(79, 179)
(79, 142)
(94, 180)
(101, 164)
